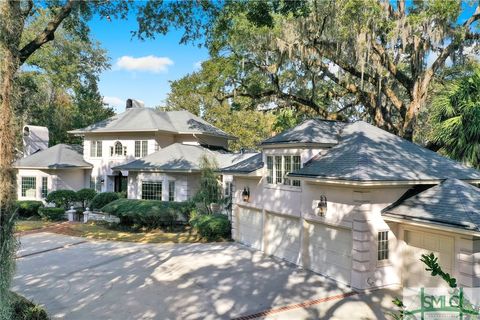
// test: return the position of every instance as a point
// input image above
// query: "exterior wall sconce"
(321, 209)
(246, 194)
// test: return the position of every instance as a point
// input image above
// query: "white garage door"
(330, 251)
(250, 226)
(418, 243)
(283, 237)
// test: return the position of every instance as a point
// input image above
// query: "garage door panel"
(330, 251)
(250, 227)
(421, 242)
(283, 237)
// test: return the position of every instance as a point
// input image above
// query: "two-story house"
(147, 153)
(359, 205)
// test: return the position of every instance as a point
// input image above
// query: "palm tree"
(454, 117)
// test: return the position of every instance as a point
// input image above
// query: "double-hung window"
(95, 149)
(279, 166)
(382, 249)
(171, 190)
(152, 190)
(278, 170)
(29, 187)
(141, 148)
(270, 169)
(44, 187)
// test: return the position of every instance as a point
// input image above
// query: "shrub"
(62, 198)
(149, 214)
(52, 214)
(24, 309)
(28, 208)
(85, 196)
(102, 199)
(209, 191)
(212, 227)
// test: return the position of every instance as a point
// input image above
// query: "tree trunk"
(11, 24)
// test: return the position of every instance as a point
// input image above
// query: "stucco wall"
(186, 184)
(102, 165)
(355, 208)
(71, 179)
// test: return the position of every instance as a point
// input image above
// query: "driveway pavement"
(79, 279)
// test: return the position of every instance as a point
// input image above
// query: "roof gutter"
(368, 183)
(442, 226)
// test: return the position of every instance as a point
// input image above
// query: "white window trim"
(161, 182)
(21, 188)
(383, 262)
(282, 185)
(96, 142)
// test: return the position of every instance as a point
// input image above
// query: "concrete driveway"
(79, 279)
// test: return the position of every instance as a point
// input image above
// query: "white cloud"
(114, 101)
(197, 65)
(147, 63)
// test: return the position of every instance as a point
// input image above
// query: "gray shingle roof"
(309, 131)
(452, 202)
(60, 156)
(251, 164)
(367, 153)
(181, 157)
(147, 119)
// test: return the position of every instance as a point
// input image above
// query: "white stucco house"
(360, 205)
(146, 153)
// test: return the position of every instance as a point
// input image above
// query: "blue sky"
(145, 79)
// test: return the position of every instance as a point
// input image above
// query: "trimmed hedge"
(52, 214)
(102, 199)
(62, 198)
(28, 208)
(150, 214)
(24, 309)
(213, 227)
(85, 196)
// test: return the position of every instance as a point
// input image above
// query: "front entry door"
(120, 184)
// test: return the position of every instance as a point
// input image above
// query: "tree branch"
(47, 34)
(391, 67)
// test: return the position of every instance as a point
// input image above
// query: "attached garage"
(425, 242)
(283, 237)
(330, 251)
(250, 227)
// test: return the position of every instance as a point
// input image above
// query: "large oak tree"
(369, 58)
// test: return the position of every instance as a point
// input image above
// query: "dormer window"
(118, 150)
(279, 166)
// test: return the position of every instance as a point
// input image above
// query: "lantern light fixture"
(246, 194)
(322, 206)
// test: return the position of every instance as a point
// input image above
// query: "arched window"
(118, 148)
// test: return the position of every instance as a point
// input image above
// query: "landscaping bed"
(32, 224)
(24, 309)
(106, 231)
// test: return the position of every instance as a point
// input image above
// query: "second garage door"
(330, 251)
(283, 237)
(418, 243)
